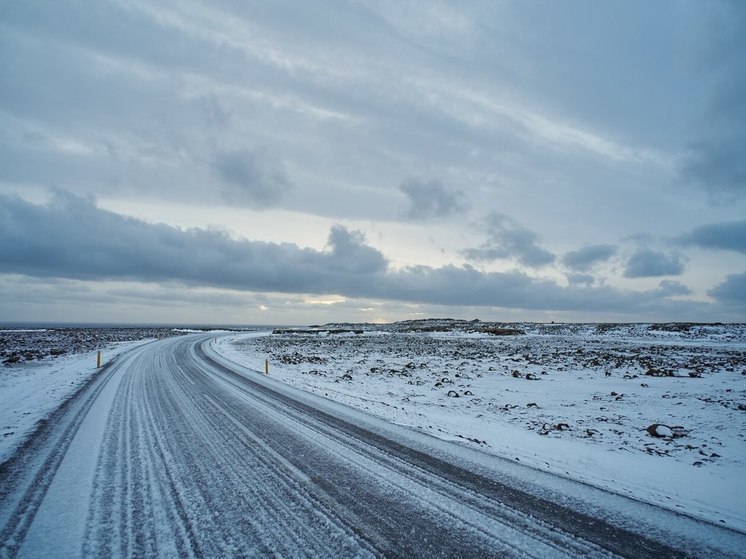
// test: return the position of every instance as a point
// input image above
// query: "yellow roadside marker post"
(266, 366)
(98, 360)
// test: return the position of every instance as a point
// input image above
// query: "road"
(172, 451)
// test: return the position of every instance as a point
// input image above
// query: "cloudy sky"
(285, 162)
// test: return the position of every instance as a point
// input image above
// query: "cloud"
(580, 279)
(670, 288)
(648, 263)
(715, 160)
(432, 199)
(251, 178)
(509, 239)
(71, 238)
(732, 291)
(586, 257)
(717, 166)
(721, 236)
(467, 286)
(351, 255)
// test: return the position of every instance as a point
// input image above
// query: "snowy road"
(173, 451)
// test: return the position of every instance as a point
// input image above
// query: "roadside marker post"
(98, 360)
(266, 366)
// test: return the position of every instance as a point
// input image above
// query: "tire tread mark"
(13, 472)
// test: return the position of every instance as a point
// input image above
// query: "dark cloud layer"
(432, 199)
(648, 263)
(721, 236)
(586, 257)
(71, 238)
(509, 239)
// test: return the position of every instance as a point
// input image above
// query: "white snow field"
(174, 449)
(574, 400)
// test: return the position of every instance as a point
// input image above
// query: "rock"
(658, 373)
(660, 431)
(452, 394)
(12, 359)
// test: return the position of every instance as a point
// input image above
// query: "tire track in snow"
(220, 492)
(27, 476)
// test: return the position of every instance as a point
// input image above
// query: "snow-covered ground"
(570, 399)
(42, 367)
(582, 401)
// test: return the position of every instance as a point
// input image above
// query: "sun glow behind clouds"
(326, 300)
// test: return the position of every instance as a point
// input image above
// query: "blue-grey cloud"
(251, 178)
(671, 288)
(143, 103)
(507, 238)
(432, 199)
(580, 279)
(732, 291)
(350, 254)
(70, 237)
(720, 236)
(586, 257)
(716, 160)
(649, 263)
(718, 167)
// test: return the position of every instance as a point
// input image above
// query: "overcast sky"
(288, 162)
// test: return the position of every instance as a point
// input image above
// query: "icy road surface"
(173, 451)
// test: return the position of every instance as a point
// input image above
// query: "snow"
(71, 487)
(42, 367)
(573, 400)
(656, 415)
(31, 391)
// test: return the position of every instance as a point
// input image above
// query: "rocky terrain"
(18, 346)
(673, 390)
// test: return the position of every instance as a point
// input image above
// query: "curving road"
(172, 451)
